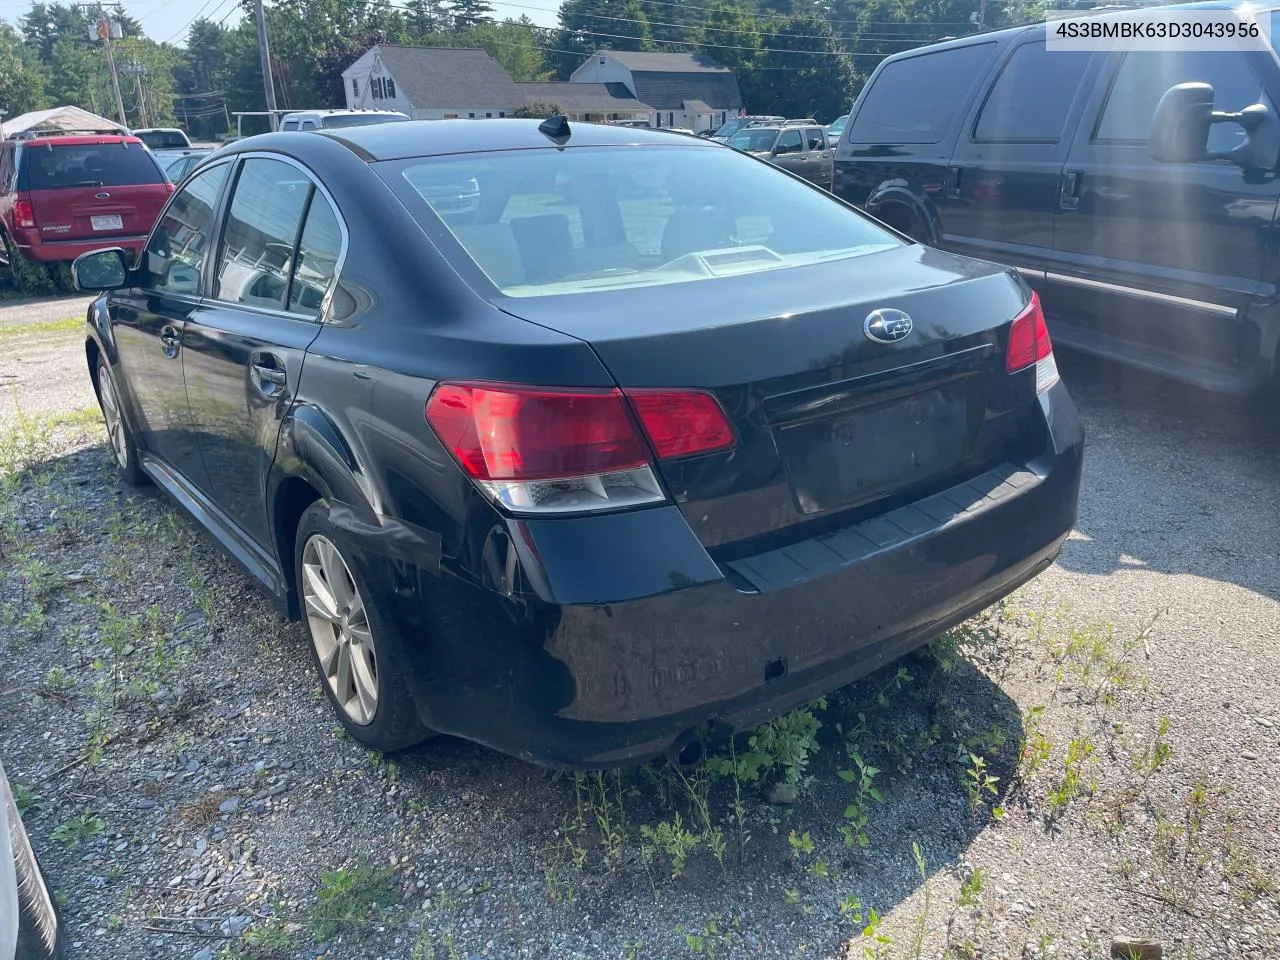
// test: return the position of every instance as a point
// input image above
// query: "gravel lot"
(1097, 758)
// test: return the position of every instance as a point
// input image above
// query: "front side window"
(790, 142)
(1033, 95)
(261, 232)
(176, 250)
(1144, 76)
(758, 140)
(546, 222)
(915, 100)
(317, 260)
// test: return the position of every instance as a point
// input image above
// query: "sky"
(167, 20)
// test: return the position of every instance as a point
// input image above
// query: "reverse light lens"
(24, 215)
(1029, 344)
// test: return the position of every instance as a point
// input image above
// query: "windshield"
(359, 120)
(759, 140)
(163, 139)
(544, 222)
(95, 165)
(730, 127)
(837, 126)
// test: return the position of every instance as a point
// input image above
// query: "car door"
(149, 323)
(1158, 262)
(893, 158)
(789, 152)
(278, 253)
(821, 160)
(1003, 179)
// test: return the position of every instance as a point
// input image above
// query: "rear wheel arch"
(292, 498)
(904, 212)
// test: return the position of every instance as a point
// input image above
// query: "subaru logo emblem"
(887, 326)
(102, 196)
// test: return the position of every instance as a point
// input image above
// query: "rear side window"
(261, 233)
(915, 100)
(1033, 95)
(1144, 76)
(317, 259)
(96, 165)
(816, 139)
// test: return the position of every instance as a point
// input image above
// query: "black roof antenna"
(556, 129)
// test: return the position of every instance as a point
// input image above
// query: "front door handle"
(1070, 196)
(170, 341)
(268, 375)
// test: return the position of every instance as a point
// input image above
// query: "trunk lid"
(829, 423)
(92, 191)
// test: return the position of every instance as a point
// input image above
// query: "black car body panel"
(1167, 267)
(584, 640)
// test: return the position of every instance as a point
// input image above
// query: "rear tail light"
(537, 450)
(1029, 344)
(24, 215)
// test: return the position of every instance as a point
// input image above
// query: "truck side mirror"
(1180, 130)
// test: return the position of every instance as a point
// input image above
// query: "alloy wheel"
(340, 630)
(111, 414)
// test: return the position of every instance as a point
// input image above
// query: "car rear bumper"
(582, 685)
(58, 251)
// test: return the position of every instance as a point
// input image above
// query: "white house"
(431, 83)
(683, 89)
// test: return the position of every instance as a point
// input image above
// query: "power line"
(199, 13)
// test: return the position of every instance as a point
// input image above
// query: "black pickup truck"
(1144, 215)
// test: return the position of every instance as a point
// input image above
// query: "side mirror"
(100, 270)
(1180, 130)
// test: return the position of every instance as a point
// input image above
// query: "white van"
(333, 119)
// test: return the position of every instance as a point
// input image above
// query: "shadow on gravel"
(1176, 480)
(790, 836)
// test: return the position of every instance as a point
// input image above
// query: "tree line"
(802, 58)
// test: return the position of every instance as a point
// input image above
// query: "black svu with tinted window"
(1147, 247)
(580, 443)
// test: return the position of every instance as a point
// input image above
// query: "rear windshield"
(545, 222)
(357, 120)
(97, 165)
(164, 139)
(759, 139)
(730, 127)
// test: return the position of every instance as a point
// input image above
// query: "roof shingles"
(435, 78)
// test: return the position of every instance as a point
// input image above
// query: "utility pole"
(136, 69)
(982, 14)
(102, 31)
(264, 53)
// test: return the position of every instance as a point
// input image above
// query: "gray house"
(588, 102)
(431, 83)
(684, 89)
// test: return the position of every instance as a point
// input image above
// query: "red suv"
(61, 196)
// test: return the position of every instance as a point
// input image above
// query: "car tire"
(39, 932)
(353, 646)
(24, 276)
(120, 442)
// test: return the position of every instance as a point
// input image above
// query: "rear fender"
(312, 448)
(911, 213)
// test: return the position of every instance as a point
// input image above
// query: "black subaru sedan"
(581, 442)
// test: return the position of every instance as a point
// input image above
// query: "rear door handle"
(170, 341)
(953, 183)
(1070, 196)
(268, 375)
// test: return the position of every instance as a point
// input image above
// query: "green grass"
(66, 325)
(349, 898)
